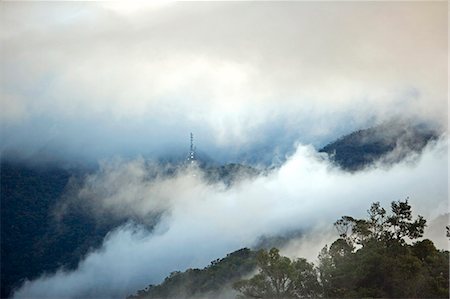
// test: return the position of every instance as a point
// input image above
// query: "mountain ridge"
(30, 192)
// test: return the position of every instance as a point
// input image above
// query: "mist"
(121, 86)
(203, 221)
(87, 81)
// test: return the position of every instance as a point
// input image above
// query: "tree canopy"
(381, 256)
(372, 257)
(384, 265)
(279, 277)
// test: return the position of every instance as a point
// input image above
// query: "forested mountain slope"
(387, 143)
(35, 241)
(369, 259)
(207, 282)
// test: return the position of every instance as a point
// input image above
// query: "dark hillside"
(369, 259)
(389, 143)
(32, 240)
(229, 173)
(208, 281)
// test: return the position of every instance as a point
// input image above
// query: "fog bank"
(204, 221)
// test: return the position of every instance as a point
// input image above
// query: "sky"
(89, 80)
(117, 83)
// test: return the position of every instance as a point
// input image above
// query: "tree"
(279, 277)
(382, 227)
(401, 224)
(336, 269)
(372, 258)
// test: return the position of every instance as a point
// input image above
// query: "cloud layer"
(95, 79)
(205, 221)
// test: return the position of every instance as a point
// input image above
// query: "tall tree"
(279, 277)
(372, 257)
(382, 227)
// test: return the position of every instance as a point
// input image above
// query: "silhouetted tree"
(279, 277)
(372, 258)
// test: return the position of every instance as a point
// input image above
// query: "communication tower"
(192, 156)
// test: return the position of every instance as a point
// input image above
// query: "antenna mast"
(192, 151)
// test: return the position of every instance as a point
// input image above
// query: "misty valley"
(55, 215)
(224, 149)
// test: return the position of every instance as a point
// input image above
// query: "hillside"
(209, 281)
(369, 259)
(34, 241)
(387, 143)
(229, 173)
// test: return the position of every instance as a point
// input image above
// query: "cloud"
(228, 71)
(204, 221)
(13, 109)
(91, 80)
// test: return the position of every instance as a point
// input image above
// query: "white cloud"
(206, 221)
(95, 78)
(13, 109)
(226, 68)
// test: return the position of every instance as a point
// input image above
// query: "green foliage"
(210, 280)
(380, 226)
(373, 257)
(279, 277)
(402, 224)
(370, 259)
(363, 147)
(32, 240)
(377, 270)
(384, 265)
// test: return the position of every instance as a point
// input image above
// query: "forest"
(35, 240)
(382, 256)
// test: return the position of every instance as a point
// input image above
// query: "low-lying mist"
(201, 221)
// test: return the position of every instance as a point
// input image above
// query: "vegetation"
(33, 241)
(229, 173)
(373, 257)
(390, 143)
(208, 281)
(279, 277)
(384, 265)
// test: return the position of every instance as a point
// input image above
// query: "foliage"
(362, 148)
(33, 241)
(212, 279)
(381, 227)
(372, 258)
(384, 265)
(279, 277)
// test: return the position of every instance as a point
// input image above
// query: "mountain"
(208, 282)
(387, 143)
(34, 241)
(229, 173)
(368, 260)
